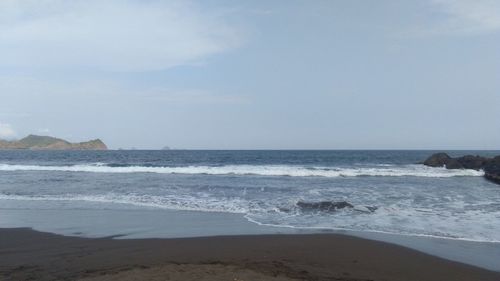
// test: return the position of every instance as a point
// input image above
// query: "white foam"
(177, 202)
(466, 225)
(400, 218)
(481, 240)
(261, 170)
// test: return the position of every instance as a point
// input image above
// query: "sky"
(253, 74)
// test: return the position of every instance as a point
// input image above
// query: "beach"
(30, 255)
(249, 140)
(244, 215)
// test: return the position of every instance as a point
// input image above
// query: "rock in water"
(324, 206)
(453, 163)
(492, 170)
(437, 160)
(490, 166)
(473, 162)
(464, 162)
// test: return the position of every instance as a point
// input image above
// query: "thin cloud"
(17, 89)
(111, 35)
(196, 97)
(466, 17)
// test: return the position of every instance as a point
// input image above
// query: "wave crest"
(258, 170)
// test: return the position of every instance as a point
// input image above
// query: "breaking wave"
(173, 202)
(259, 170)
(411, 220)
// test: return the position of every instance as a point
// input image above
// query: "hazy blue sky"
(253, 74)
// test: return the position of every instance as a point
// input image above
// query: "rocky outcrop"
(492, 170)
(325, 206)
(453, 164)
(473, 162)
(328, 207)
(465, 162)
(437, 160)
(34, 142)
(490, 166)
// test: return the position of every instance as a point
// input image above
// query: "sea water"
(391, 193)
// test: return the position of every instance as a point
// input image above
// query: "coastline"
(72, 210)
(143, 223)
(26, 254)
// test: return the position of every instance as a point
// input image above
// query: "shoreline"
(25, 254)
(167, 224)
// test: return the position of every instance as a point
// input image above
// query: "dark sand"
(29, 255)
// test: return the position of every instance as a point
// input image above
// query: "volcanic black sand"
(30, 255)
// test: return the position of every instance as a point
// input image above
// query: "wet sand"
(30, 255)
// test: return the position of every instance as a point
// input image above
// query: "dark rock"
(324, 206)
(437, 160)
(492, 170)
(327, 207)
(493, 166)
(493, 177)
(490, 166)
(453, 164)
(464, 162)
(473, 162)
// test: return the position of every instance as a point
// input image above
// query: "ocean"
(389, 191)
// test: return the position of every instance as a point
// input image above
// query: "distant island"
(34, 142)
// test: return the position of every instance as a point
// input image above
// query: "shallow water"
(136, 223)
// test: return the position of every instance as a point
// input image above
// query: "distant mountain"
(35, 142)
